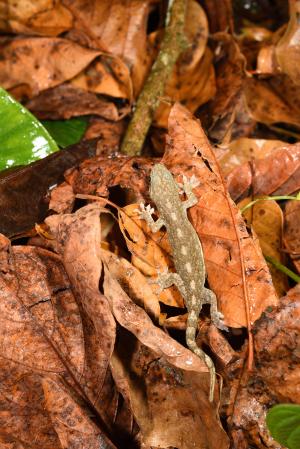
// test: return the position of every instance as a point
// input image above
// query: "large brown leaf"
(237, 271)
(47, 356)
(49, 61)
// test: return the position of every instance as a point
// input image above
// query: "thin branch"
(173, 44)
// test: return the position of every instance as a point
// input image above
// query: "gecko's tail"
(192, 345)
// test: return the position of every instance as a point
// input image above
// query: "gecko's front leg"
(145, 213)
(187, 187)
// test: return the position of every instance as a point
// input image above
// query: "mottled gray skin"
(187, 254)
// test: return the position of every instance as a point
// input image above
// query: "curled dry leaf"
(150, 252)
(291, 235)
(78, 241)
(237, 271)
(170, 372)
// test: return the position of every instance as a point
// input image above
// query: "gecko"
(187, 253)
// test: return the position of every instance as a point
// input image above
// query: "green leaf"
(23, 138)
(66, 132)
(283, 421)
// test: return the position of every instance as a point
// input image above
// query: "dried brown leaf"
(274, 101)
(278, 173)
(49, 61)
(236, 269)
(243, 150)
(70, 422)
(78, 241)
(277, 373)
(43, 17)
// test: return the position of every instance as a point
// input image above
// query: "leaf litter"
(92, 355)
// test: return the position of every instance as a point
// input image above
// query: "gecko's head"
(162, 182)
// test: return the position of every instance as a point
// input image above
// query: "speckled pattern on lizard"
(187, 253)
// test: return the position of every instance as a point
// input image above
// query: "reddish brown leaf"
(272, 102)
(245, 281)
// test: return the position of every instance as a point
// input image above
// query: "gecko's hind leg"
(166, 279)
(217, 317)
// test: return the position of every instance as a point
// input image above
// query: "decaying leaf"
(22, 191)
(65, 101)
(43, 340)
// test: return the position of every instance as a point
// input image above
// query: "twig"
(173, 44)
